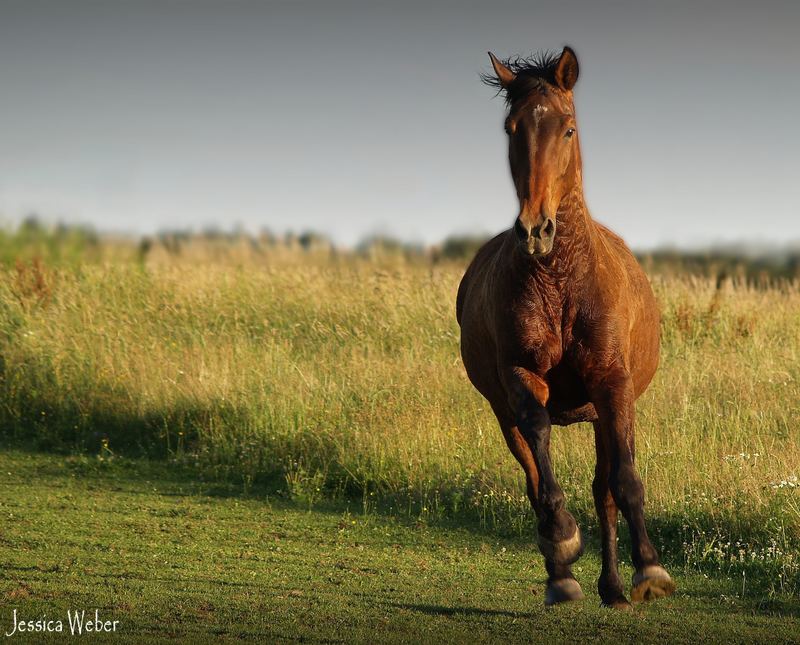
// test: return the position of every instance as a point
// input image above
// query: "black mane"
(533, 72)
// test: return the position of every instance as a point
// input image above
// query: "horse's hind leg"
(609, 585)
(559, 538)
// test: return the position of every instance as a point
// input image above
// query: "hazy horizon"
(370, 118)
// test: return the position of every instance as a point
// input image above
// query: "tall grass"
(342, 378)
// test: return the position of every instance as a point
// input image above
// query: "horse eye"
(569, 133)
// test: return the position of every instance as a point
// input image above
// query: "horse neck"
(573, 243)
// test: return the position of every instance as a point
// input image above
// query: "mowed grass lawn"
(173, 558)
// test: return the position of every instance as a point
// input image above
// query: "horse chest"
(539, 337)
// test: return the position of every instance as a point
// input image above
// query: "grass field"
(171, 558)
(334, 384)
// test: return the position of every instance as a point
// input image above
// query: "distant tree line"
(753, 267)
(64, 244)
(60, 243)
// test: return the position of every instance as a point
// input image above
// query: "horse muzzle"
(538, 239)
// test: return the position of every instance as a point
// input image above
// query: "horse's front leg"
(613, 399)
(559, 537)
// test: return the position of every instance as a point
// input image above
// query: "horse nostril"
(522, 232)
(549, 228)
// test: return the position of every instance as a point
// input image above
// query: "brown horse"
(559, 325)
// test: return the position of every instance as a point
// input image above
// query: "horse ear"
(504, 75)
(567, 69)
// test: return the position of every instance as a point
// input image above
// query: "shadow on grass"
(440, 610)
(39, 424)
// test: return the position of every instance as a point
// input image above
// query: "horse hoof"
(563, 552)
(620, 604)
(562, 590)
(651, 583)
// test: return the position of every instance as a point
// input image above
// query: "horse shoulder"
(624, 313)
(473, 283)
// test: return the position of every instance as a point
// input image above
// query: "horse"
(559, 325)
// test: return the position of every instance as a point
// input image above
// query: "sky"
(360, 118)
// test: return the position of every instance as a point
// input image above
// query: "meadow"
(329, 381)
